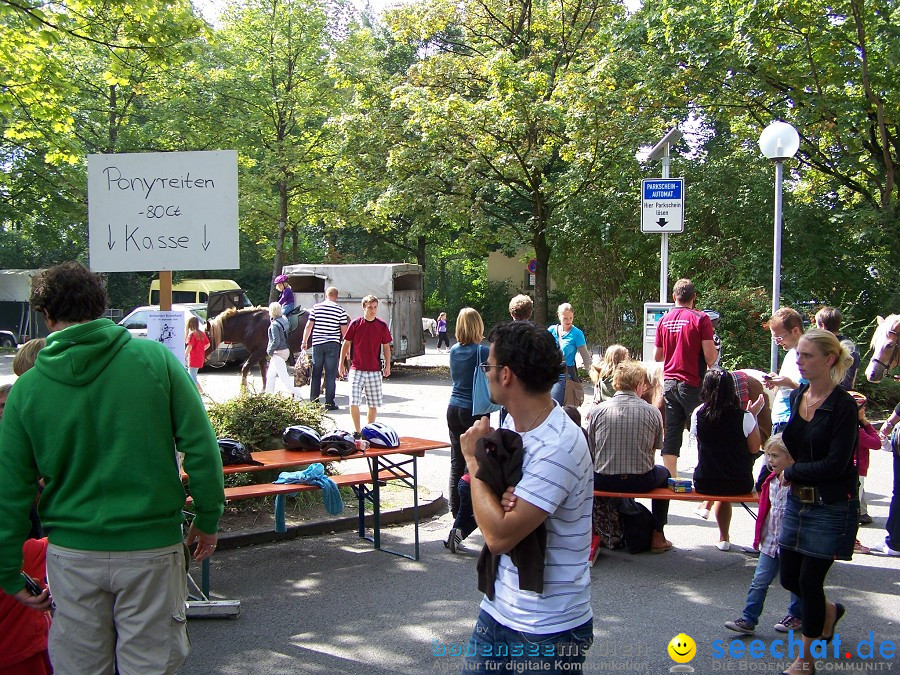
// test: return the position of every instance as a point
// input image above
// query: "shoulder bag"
(481, 393)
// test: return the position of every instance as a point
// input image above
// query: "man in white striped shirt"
(518, 629)
(326, 327)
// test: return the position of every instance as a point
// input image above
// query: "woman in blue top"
(465, 356)
(571, 341)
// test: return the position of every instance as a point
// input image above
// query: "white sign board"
(662, 205)
(163, 211)
(167, 328)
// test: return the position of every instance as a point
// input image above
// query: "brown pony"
(250, 327)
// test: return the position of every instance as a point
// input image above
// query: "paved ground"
(330, 604)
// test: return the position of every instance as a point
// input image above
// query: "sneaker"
(723, 545)
(865, 519)
(884, 549)
(702, 512)
(331, 406)
(453, 540)
(859, 548)
(357, 435)
(789, 623)
(741, 626)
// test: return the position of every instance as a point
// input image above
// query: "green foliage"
(882, 396)
(254, 419)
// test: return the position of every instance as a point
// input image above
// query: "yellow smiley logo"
(682, 648)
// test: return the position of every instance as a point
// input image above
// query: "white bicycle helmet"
(381, 435)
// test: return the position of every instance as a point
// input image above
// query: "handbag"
(302, 369)
(574, 392)
(481, 393)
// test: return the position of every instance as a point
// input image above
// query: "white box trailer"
(398, 287)
(18, 321)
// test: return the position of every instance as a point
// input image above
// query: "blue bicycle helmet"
(381, 435)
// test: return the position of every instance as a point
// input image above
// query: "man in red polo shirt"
(684, 342)
(371, 340)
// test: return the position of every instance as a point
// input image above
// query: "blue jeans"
(766, 571)
(495, 648)
(324, 355)
(893, 521)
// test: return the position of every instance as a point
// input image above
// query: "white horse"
(429, 326)
(885, 348)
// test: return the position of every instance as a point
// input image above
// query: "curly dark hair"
(69, 292)
(530, 352)
(718, 394)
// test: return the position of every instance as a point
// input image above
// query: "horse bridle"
(887, 366)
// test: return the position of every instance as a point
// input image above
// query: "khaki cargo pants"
(118, 610)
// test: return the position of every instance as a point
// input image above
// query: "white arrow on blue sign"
(662, 205)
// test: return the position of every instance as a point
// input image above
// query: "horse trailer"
(398, 287)
(18, 321)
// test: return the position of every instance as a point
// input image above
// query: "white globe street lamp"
(778, 141)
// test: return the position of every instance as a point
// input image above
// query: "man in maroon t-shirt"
(684, 340)
(371, 338)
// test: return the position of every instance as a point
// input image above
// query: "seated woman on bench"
(727, 440)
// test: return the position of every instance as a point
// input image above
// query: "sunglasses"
(485, 367)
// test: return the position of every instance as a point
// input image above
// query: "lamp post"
(778, 141)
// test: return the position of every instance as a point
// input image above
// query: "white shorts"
(368, 381)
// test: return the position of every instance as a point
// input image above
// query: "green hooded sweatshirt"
(99, 418)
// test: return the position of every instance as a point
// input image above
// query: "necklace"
(531, 425)
(815, 402)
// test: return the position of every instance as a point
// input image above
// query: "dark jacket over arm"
(500, 455)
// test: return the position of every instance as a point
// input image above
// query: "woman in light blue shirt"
(571, 341)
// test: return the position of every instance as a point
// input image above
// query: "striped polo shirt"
(557, 477)
(328, 317)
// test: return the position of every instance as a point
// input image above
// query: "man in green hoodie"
(100, 418)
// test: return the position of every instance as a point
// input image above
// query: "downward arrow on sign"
(206, 243)
(662, 222)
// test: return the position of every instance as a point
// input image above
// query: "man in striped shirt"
(326, 328)
(556, 489)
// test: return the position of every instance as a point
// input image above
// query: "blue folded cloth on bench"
(314, 474)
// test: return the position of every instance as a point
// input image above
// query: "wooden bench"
(281, 490)
(666, 493)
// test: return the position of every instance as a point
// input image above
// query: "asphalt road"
(331, 604)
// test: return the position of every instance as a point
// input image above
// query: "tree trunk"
(113, 127)
(279, 239)
(442, 280)
(542, 256)
(420, 251)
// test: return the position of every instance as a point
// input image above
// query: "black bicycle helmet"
(235, 452)
(338, 443)
(301, 437)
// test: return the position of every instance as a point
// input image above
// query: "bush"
(882, 396)
(254, 418)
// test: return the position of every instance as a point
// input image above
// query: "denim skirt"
(820, 530)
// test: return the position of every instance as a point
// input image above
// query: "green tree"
(512, 113)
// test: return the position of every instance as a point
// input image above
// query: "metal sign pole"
(664, 244)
